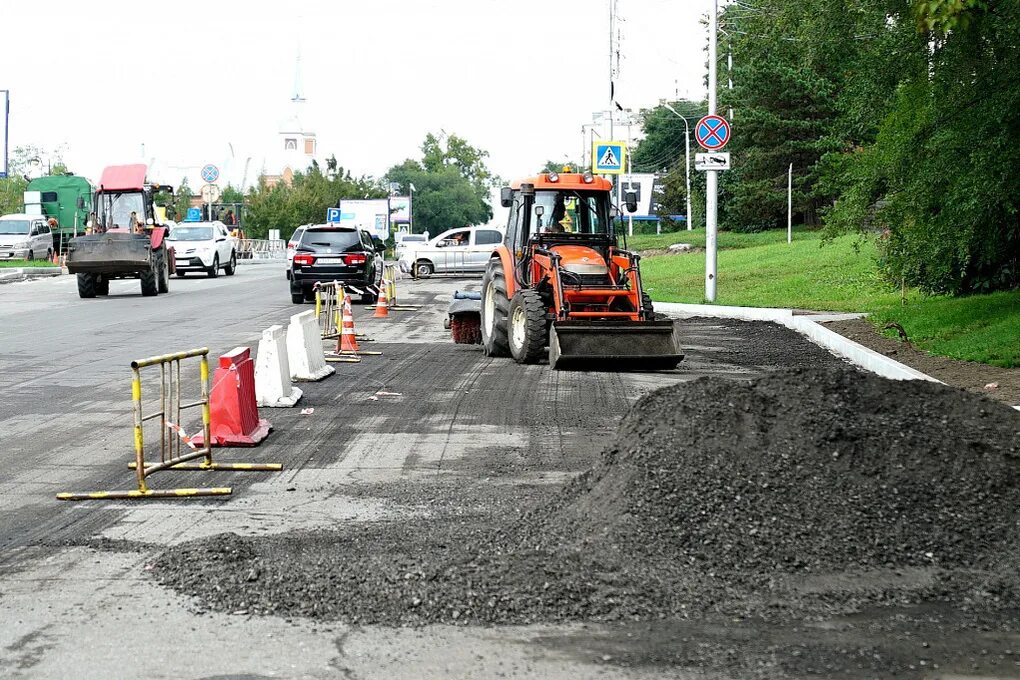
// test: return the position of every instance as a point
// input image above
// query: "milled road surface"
(77, 596)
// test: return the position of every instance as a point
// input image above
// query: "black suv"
(325, 253)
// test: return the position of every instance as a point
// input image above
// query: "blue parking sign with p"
(332, 215)
(609, 158)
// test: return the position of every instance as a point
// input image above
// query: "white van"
(25, 237)
(467, 249)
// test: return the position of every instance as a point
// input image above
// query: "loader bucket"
(614, 345)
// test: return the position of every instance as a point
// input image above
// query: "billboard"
(372, 215)
(400, 209)
(5, 112)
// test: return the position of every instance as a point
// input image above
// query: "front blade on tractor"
(614, 345)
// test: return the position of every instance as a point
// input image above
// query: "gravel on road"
(804, 491)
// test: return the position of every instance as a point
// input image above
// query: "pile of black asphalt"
(803, 491)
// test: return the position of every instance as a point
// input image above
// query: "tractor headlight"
(554, 177)
(587, 177)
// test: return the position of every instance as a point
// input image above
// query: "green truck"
(65, 198)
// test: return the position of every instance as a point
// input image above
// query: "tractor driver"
(560, 220)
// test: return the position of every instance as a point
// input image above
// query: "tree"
(183, 200)
(451, 184)
(231, 194)
(305, 201)
(940, 177)
(558, 166)
(663, 150)
(12, 187)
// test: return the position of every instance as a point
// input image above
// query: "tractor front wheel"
(163, 280)
(86, 285)
(528, 330)
(495, 310)
(149, 281)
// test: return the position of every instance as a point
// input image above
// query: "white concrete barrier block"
(272, 371)
(304, 348)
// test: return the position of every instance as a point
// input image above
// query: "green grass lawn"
(6, 264)
(762, 270)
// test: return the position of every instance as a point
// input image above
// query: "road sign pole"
(712, 180)
(789, 206)
(687, 170)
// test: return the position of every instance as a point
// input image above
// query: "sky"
(184, 83)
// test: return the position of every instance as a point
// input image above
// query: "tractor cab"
(561, 280)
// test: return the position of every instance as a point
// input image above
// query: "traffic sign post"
(609, 158)
(713, 136)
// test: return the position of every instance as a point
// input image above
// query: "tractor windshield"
(115, 208)
(575, 212)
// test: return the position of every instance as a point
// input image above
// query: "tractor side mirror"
(614, 212)
(630, 198)
(506, 197)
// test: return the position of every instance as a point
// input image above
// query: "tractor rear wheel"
(495, 311)
(528, 331)
(86, 285)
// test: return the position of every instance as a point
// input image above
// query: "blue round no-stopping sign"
(210, 173)
(712, 132)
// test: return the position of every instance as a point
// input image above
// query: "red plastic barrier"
(234, 417)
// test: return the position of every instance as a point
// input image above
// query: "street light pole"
(687, 162)
(712, 178)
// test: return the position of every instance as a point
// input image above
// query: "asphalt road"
(76, 596)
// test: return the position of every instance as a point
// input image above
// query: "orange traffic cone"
(348, 343)
(382, 305)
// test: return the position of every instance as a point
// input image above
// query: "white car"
(25, 237)
(292, 243)
(203, 247)
(454, 251)
(405, 240)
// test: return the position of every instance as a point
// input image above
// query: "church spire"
(297, 98)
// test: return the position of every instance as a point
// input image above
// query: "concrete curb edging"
(820, 335)
(29, 273)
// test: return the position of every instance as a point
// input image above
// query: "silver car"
(454, 251)
(25, 237)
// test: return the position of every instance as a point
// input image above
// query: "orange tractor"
(560, 280)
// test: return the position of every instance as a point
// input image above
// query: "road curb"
(805, 324)
(266, 261)
(19, 273)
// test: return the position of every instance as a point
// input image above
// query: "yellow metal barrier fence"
(173, 438)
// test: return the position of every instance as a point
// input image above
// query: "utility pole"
(612, 70)
(789, 206)
(712, 178)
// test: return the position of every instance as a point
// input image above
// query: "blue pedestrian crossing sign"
(608, 158)
(332, 215)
